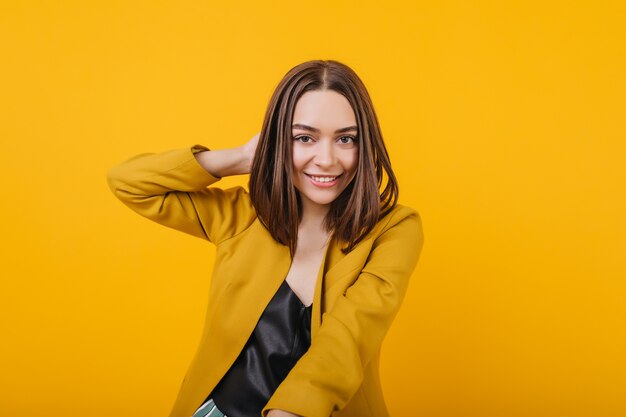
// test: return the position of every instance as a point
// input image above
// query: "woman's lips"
(325, 184)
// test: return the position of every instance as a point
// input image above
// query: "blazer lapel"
(334, 265)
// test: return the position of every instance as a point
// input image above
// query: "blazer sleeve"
(331, 371)
(172, 189)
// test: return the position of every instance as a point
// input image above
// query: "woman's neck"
(313, 216)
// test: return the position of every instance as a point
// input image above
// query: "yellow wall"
(505, 125)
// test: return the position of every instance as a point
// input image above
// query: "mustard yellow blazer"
(356, 296)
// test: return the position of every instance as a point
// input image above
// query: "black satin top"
(281, 336)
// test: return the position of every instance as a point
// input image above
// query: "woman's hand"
(249, 150)
(281, 413)
(231, 161)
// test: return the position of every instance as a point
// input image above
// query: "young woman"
(312, 263)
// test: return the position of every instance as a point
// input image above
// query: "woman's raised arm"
(172, 189)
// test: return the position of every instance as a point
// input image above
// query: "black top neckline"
(296, 295)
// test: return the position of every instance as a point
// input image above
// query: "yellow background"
(505, 125)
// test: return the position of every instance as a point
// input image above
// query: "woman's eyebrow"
(313, 129)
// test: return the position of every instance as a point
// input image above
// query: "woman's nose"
(325, 155)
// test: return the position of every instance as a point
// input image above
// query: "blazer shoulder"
(400, 216)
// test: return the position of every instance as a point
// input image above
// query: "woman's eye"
(303, 139)
(347, 139)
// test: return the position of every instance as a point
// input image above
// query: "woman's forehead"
(327, 111)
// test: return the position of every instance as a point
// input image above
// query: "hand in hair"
(249, 148)
(231, 161)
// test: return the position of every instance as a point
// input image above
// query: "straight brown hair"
(355, 212)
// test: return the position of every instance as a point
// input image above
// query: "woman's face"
(324, 148)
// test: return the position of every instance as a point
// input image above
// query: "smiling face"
(325, 151)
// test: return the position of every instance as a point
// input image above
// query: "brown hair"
(355, 212)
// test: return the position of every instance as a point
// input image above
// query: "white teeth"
(323, 179)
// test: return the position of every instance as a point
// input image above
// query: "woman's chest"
(306, 264)
(303, 273)
(249, 269)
